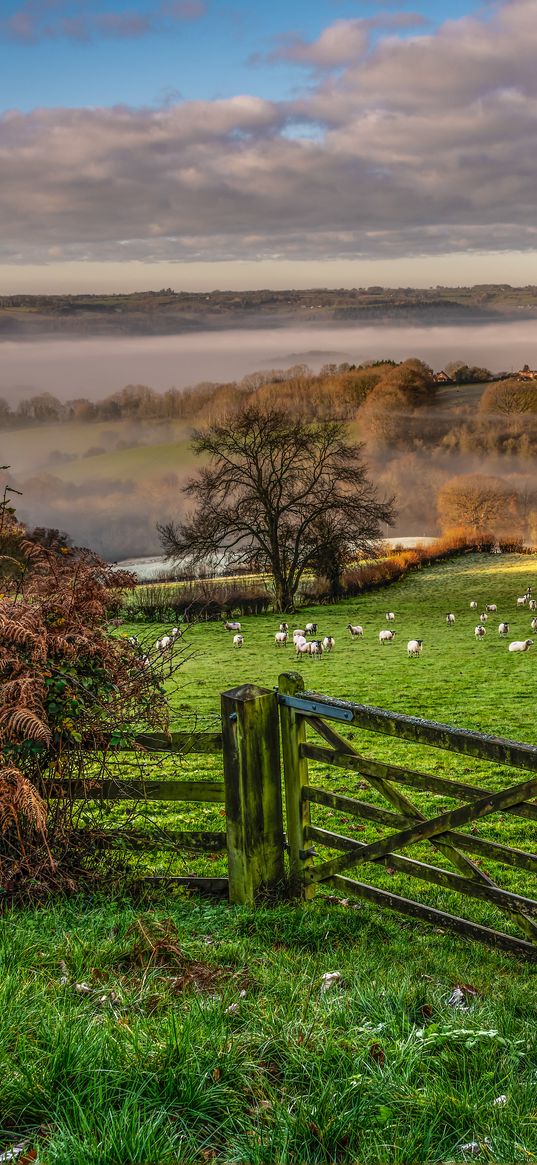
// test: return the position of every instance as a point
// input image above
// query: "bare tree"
(477, 501)
(271, 491)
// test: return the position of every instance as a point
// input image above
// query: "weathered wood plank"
(139, 839)
(503, 899)
(191, 882)
(109, 790)
(255, 841)
(506, 855)
(425, 830)
(473, 930)
(295, 768)
(347, 759)
(413, 728)
(184, 742)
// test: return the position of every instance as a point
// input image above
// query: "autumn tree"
(509, 398)
(476, 501)
(273, 491)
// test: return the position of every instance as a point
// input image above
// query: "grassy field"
(169, 1029)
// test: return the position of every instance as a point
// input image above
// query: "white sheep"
(450, 619)
(390, 616)
(473, 605)
(311, 628)
(284, 626)
(302, 646)
(520, 644)
(534, 624)
(532, 604)
(299, 631)
(503, 629)
(280, 638)
(414, 647)
(479, 631)
(164, 643)
(355, 630)
(491, 607)
(238, 640)
(316, 648)
(386, 636)
(483, 616)
(522, 600)
(329, 643)
(232, 626)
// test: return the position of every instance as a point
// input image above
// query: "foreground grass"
(112, 1056)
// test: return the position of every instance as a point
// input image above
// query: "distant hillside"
(167, 312)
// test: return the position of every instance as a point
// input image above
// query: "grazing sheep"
(520, 644)
(329, 643)
(302, 646)
(311, 628)
(479, 632)
(473, 605)
(450, 619)
(284, 626)
(280, 638)
(532, 604)
(522, 600)
(534, 624)
(386, 636)
(232, 626)
(503, 629)
(390, 616)
(355, 630)
(238, 640)
(299, 631)
(414, 647)
(491, 607)
(164, 643)
(483, 616)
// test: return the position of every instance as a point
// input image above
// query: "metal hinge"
(328, 711)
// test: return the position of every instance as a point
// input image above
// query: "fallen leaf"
(377, 1054)
(216, 1074)
(329, 979)
(426, 1010)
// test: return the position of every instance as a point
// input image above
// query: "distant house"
(442, 378)
(526, 373)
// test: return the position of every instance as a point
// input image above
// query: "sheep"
(528, 592)
(522, 600)
(134, 641)
(532, 604)
(311, 628)
(503, 629)
(414, 647)
(390, 616)
(329, 643)
(164, 643)
(316, 648)
(450, 619)
(280, 638)
(480, 631)
(491, 607)
(284, 626)
(534, 624)
(238, 640)
(355, 630)
(176, 631)
(232, 626)
(520, 644)
(473, 605)
(386, 636)
(302, 647)
(483, 617)
(299, 631)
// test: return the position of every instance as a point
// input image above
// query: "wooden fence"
(255, 832)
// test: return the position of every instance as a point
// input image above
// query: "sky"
(203, 144)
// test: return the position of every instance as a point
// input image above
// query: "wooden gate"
(302, 712)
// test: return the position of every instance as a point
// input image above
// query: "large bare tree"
(277, 491)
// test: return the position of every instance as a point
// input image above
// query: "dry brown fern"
(21, 806)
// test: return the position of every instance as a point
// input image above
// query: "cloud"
(340, 43)
(427, 146)
(39, 20)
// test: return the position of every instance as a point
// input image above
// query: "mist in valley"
(107, 483)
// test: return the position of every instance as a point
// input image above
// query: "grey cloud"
(428, 147)
(341, 43)
(38, 20)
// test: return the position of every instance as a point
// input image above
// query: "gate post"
(295, 769)
(251, 745)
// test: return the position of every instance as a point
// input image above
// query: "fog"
(95, 367)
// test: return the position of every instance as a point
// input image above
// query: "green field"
(220, 1044)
